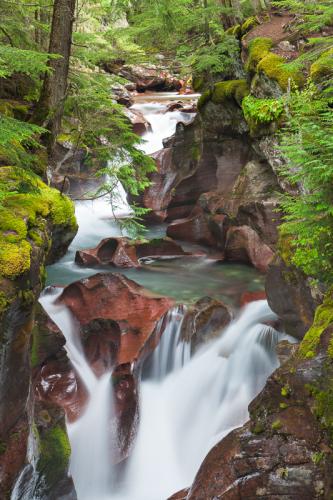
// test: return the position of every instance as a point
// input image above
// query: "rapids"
(187, 404)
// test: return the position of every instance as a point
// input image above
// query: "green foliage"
(308, 148)
(323, 319)
(29, 62)
(258, 111)
(322, 69)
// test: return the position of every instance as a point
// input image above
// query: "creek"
(187, 404)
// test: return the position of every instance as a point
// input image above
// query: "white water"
(185, 413)
(91, 450)
(186, 405)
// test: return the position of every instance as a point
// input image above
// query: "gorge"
(165, 293)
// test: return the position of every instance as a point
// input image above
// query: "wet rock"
(282, 451)
(123, 252)
(181, 495)
(195, 228)
(115, 297)
(125, 386)
(122, 95)
(248, 297)
(244, 245)
(290, 296)
(204, 320)
(150, 78)
(139, 123)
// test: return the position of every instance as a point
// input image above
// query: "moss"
(204, 98)
(317, 457)
(3, 302)
(198, 83)
(323, 67)
(3, 447)
(26, 215)
(283, 406)
(324, 408)
(237, 89)
(277, 69)
(250, 23)
(323, 319)
(235, 31)
(285, 391)
(258, 428)
(54, 453)
(276, 425)
(258, 49)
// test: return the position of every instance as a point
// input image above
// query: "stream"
(187, 404)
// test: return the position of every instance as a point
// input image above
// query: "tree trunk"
(50, 108)
(235, 13)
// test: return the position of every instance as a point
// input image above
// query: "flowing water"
(186, 403)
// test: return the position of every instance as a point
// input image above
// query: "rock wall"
(35, 229)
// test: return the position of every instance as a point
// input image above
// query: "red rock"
(244, 245)
(113, 296)
(123, 252)
(248, 297)
(195, 229)
(180, 495)
(57, 382)
(139, 123)
(204, 320)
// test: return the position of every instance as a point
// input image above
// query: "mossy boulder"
(248, 24)
(258, 49)
(231, 89)
(323, 67)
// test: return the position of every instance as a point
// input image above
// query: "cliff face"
(36, 228)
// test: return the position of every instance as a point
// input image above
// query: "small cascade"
(91, 457)
(186, 411)
(172, 352)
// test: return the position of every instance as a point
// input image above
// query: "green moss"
(277, 69)
(324, 408)
(235, 31)
(283, 406)
(258, 428)
(3, 447)
(323, 319)
(317, 457)
(237, 89)
(250, 23)
(54, 453)
(204, 98)
(258, 49)
(276, 425)
(285, 391)
(198, 83)
(323, 67)
(25, 215)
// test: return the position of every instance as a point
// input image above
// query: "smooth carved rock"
(114, 297)
(150, 78)
(124, 252)
(289, 295)
(204, 320)
(244, 245)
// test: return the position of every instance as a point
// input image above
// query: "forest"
(166, 249)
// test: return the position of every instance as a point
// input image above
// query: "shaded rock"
(123, 252)
(125, 386)
(135, 310)
(196, 229)
(275, 454)
(150, 78)
(204, 320)
(244, 245)
(122, 95)
(139, 123)
(290, 296)
(181, 495)
(248, 297)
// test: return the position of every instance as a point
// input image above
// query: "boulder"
(248, 297)
(114, 297)
(139, 123)
(203, 321)
(180, 495)
(284, 450)
(244, 245)
(195, 228)
(126, 253)
(291, 297)
(122, 95)
(149, 78)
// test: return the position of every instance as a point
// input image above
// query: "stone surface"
(126, 253)
(204, 320)
(248, 297)
(149, 78)
(282, 452)
(290, 296)
(139, 123)
(244, 245)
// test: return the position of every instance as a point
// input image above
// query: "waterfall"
(91, 458)
(186, 412)
(172, 353)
